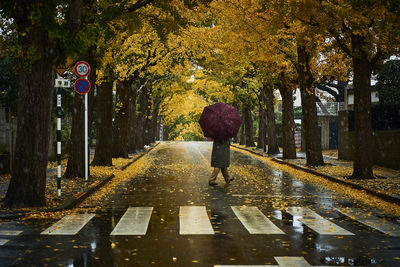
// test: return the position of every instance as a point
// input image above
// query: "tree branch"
(138, 4)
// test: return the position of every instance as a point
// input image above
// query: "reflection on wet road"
(169, 216)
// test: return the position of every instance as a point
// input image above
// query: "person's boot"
(214, 176)
(212, 183)
(230, 179)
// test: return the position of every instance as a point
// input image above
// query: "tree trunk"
(272, 142)
(36, 87)
(52, 156)
(76, 157)
(248, 125)
(104, 104)
(147, 120)
(309, 111)
(363, 160)
(121, 122)
(288, 126)
(132, 117)
(261, 127)
(154, 119)
(141, 119)
(242, 139)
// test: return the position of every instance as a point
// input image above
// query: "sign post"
(82, 86)
(59, 83)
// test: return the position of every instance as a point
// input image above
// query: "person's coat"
(220, 156)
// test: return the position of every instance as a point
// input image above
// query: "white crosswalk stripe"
(255, 221)
(246, 265)
(372, 221)
(284, 261)
(134, 222)
(316, 222)
(8, 233)
(69, 225)
(3, 241)
(193, 220)
(292, 262)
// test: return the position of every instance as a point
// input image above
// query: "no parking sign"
(82, 86)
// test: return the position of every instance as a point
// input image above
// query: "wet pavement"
(170, 216)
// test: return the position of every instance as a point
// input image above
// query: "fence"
(385, 144)
(329, 108)
(383, 117)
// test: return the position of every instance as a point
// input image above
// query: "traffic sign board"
(82, 68)
(82, 86)
(63, 67)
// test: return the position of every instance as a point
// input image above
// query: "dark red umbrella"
(220, 121)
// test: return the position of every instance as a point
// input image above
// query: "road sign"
(60, 82)
(82, 86)
(82, 68)
(63, 67)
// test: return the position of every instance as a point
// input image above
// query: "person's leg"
(213, 177)
(225, 173)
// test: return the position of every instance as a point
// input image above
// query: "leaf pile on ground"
(358, 195)
(69, 187)
(121, 178)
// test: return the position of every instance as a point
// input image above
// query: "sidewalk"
(386, 186)
(73, 191)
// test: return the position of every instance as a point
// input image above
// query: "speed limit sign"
(82, 68)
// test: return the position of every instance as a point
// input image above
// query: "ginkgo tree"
(236, 44)
(368, 32)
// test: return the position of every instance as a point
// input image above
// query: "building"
(349, 97)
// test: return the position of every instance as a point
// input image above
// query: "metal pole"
(86, 137)
(59, 141)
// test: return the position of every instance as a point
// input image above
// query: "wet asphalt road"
(178, 177)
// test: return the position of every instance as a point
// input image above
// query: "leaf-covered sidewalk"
(386, 183)
(70, 188)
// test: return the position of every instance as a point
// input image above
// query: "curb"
(244, 149)
(389, 198)
(71, 202)
(386, 197)
(138, 157)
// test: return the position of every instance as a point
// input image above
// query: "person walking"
(220, 160)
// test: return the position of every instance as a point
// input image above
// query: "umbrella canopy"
(220, 121)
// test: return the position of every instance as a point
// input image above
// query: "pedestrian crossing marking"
(379, 224)
(69, 225)
(255, 221)
(292, 262)
(245, 265)
(10, 232)
(3, 241)
(135, 221)
(316, 222)
(193, 220)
